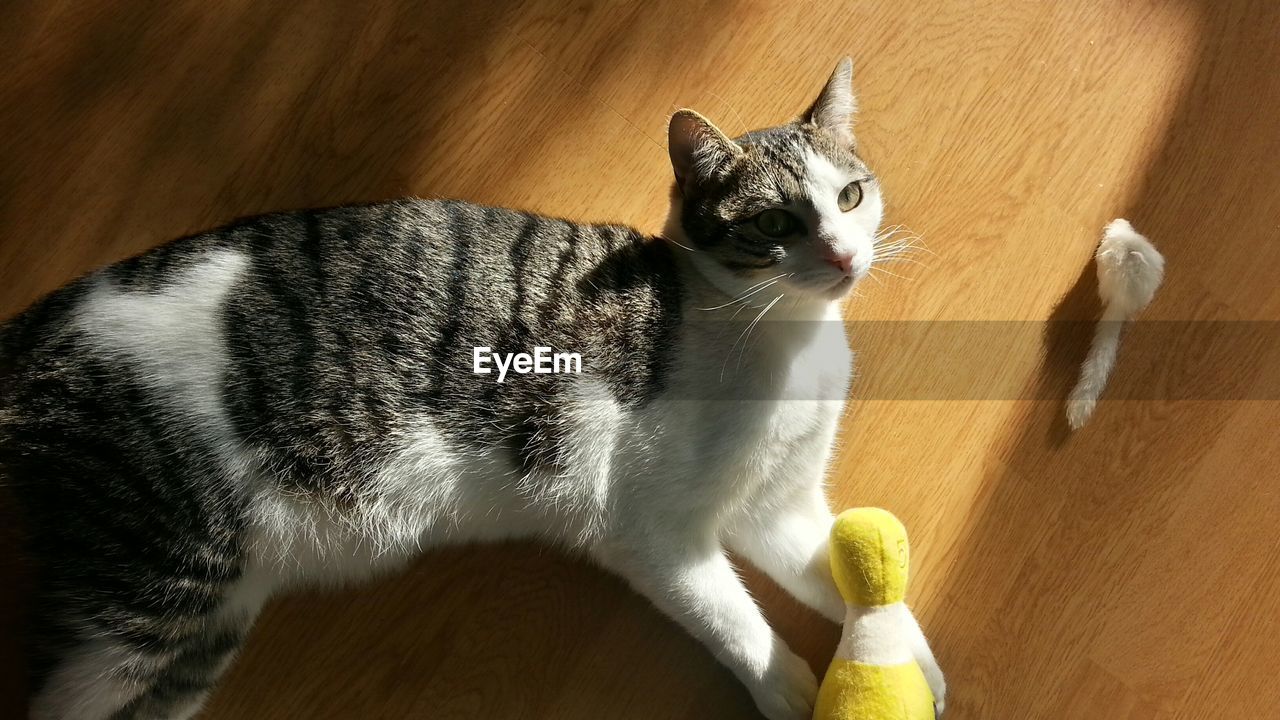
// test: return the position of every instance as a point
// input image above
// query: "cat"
(291, 399)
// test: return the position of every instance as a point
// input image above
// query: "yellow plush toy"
(876, 673)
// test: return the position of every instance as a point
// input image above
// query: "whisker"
(908, 242)
(746, 334)
(752, 290)
(914, 242)
(896, 250)
(680, 245)
(897, 239)
(886, 236)
(741, 298)
(889, 272)
(898, 259)
(752, 326)
(727, 323)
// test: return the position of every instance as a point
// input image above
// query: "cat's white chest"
(771, 424)
(823, 366)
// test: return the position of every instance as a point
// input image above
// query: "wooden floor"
(1129, 571)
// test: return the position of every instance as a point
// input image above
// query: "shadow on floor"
(1058, 495)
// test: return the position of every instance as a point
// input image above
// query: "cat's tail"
(1097, 367)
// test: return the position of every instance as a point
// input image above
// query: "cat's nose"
(841, 261)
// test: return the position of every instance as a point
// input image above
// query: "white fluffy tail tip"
(1079, 410)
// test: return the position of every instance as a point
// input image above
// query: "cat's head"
(792, 205)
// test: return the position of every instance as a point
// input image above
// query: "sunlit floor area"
(1127, 570)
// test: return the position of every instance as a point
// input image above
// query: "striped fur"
(290, 398)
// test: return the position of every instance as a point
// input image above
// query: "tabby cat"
(293, 398)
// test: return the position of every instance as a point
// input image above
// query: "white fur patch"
(174, 338)
(596, 423)
(850, 232)
(305, 538)
(89, 684)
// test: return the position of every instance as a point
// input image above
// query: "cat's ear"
(834, 109)
(698, 148)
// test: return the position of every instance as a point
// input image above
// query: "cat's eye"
(776, 223)
(850, 196)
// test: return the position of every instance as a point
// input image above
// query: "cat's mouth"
(841, 287)
(845, 283)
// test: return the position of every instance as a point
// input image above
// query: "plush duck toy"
(875, 674)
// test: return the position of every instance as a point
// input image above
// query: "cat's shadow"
(1074, 497)
(468, 632)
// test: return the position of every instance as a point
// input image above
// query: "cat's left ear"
(834, 109)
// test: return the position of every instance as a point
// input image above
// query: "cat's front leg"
(790, 545)
(694, 583)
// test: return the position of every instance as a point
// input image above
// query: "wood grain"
(1128, 571)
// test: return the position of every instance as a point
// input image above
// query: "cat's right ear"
(836, 105)
(698, 149)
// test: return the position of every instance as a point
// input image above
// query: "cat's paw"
(788, 688)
